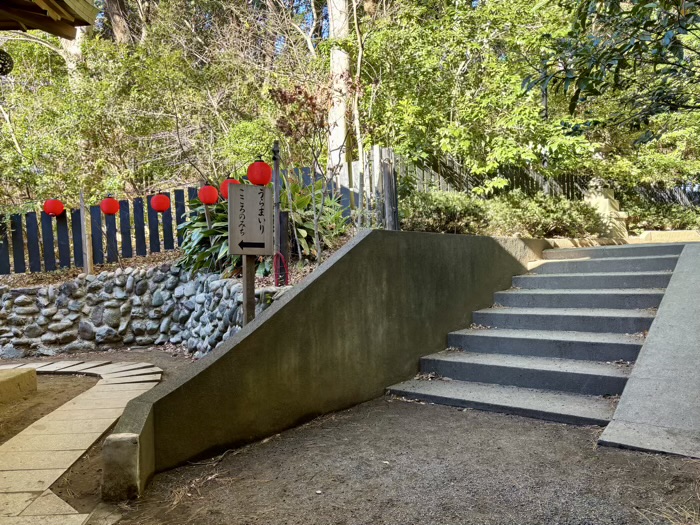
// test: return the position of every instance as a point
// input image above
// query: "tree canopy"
(159, 94)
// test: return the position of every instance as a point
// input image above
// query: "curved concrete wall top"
(353, 327)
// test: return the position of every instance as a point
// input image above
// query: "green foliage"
(644, 215)
(331, 223)
(646, 47)
(514, 213)
(204, 248)
(443, 212)
(542, 216)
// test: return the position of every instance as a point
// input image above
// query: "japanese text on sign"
(250, 220)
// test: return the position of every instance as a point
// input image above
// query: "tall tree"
(118, 15)
(339, 18)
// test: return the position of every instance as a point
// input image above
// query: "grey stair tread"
(572, 366)
(556, 406)
(593, 274)
(583, 291)
(608, 260)
(580, 312)
(614, 251)
(586, 337)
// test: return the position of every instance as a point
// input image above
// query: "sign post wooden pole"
(248, 288)
(250, 234)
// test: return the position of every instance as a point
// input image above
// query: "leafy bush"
(442, 212)
(331, 223)
(644, 215)
(207, 249)
(511, 214)
(542, 216)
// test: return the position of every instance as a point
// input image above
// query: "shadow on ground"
(393, 462)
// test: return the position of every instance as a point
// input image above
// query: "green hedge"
(512, 214)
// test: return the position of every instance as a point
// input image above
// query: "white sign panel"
(250, 220)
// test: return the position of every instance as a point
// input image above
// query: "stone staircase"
(560, 344)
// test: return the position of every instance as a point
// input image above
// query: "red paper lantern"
(224, 186)
(160, 202)
(260, 173)
(109, 206)
(208, 194)
(53, 207)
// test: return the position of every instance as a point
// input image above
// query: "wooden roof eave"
(58, 17)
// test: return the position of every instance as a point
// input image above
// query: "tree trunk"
(117, 13)
(340, 77)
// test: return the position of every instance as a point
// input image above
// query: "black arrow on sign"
(243, 245)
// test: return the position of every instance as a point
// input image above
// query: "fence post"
(4, 247)
(391, 212)
(277, 207)
(96, 232)
(17, 244)
(379, 184)
(125, 229)
(33, 249)
(48, 242)
(63, 240)
(86, 237)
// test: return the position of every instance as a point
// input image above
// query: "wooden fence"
(38, 242)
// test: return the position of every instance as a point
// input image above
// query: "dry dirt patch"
(52, 392)
(392, 462)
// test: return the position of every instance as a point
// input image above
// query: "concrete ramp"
(659, 410)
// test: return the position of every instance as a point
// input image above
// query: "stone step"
(541, 404)
(657, 263)
(567, 319)
(595, 281)
(545, 343)
(629, 298)
(627, 250)
(566, 375)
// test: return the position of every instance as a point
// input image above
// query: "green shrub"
(442, 212)
(511, 214)
(644, 215)
(542, 216)
(206, 249)
(331, 223)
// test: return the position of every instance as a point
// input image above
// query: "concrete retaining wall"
(353, 327)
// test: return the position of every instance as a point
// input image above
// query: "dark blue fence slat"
(153, 237)
(63, 240)
(112, 249)
(33, 249)
(179, 213)
(77, 231)
(139, 227)
(48, 242)
(167, 215)
(306, 177)
(17, 244)
(191, 196)
(4, 247)
(98, 256)
(125, 229)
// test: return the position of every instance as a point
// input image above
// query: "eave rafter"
(58, 17)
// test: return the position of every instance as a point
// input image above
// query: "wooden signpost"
(250, 234)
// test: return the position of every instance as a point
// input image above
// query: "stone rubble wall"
(127, 307)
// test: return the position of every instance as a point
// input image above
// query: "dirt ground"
(393, 462)
(51, 393)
